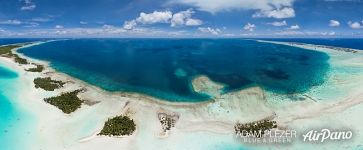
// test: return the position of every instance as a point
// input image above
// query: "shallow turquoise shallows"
(164, 68)
(15, 124)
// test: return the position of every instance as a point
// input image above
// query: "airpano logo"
(326, 135)
(288, 136)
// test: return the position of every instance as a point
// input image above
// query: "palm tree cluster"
(254, 127)
(118, 126)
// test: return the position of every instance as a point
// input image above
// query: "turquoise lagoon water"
(164, 68)
(15, 124)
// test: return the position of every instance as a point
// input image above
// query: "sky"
(181, 18)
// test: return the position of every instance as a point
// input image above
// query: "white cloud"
(193, 22)
(108, 31)
(106, 26)
(249, 27)
(129, 25)
(334, 23)
(210, 30)
(294, 27)
(105, 30)
(355, 25)
(290, 33)
(331, 33)
(41, 19)
(278, 24)
(115, 31)
(184, 18)
(215, 6)
(18, 22)
(180, 17)
(307, 33)
(286, 12)
(61, 32)
(229, 35)
(11, 22)
(154, 17)
(31, 24)
(83, 22)
(28, 5)
(59, 27)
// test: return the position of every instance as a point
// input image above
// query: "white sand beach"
(208, 125)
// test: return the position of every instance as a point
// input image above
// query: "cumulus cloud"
(334, 23)
(59, 27)
(28, 5)
(154, 17)
(210, 30)
(294, 27)
(128, 25)
(278, 24)
(179, 18)
(286, 12)
(193, 22)
(11, 22)
(182, 18)
(215, 6)
(249, 27)
(355, 25)
(265, 8)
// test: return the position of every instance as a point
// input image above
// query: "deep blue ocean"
(347, 43)
(164, 68)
